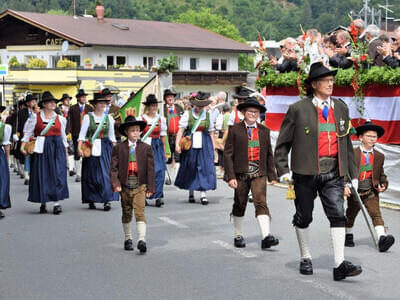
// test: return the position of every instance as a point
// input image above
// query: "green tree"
(213, 22)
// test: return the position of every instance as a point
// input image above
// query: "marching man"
(372, 181)
(316, 131)
(248, 162)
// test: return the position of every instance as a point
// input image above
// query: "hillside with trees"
(274, 19)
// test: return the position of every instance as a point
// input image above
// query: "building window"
(54, 59)
(110, 61)
(28, 57)
(74, 58)
(121, 60)
(219, 64)
(215, 64)
(148, 62)
(193, 63)
(223, 64)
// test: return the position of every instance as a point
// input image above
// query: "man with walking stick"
(316, 131)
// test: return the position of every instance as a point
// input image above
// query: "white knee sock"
(141, 231)
(71, 163)
(78, 167)
(56, 204)
(303, 238)
(264, 224)
(380, 230)
(349, 230)
(127, 230)
(338, 236)
(237, 223)
(26, 175)
(203, 195)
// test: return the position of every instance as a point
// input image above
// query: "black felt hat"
(252, 102)
(131, 121)
(29, 97)
(65, 96)
(98, 97)
(106, 92)
(369, 126)
(241, 93)
(81, 93)
(200, 99)
(46, 97)
(168, 92)
(317, 71)
(151, 99)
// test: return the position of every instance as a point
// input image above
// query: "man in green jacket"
(316, 131)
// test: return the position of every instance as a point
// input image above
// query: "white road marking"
(173, 222)
(235, 250)
(328, 289)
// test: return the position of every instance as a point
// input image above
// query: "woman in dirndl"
(97, 131)
(155, 137)
(5, 134)
(48, 172)
(197, 170)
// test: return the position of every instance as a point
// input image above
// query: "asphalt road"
(79, 254)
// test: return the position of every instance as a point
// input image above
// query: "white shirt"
(97, 120)
(184, 121)
(7, 134)
(254, 125)
(30, 125)
(232, 117)
(219, 123)
(319, 103)
(131, 143)
(150, 122)
(368, 151)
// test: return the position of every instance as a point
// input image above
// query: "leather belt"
(327, 164)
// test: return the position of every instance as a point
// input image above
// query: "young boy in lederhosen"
(372, 181)
(132, 175)
(249, 162)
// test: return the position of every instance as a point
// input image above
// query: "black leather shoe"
(204, 201)
(239, 242)
(306, 266)
(385, 242)
(346, 269)
(141, 245)
(78, 179)
(349, 242)
(269, 241)
(250, 198)
(1, 215)
(191, 199)
(71, 173)
(128, 245)
(57, 210)
(159, 202)
(21, 176)
(107, 206)
(26, 182)
(92, 205)
(43, 209)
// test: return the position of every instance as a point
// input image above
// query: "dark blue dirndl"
(159, 167)
(96, 184)
(48, 174)
(197, 170)
(4, 181)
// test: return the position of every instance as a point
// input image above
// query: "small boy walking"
(132, 175)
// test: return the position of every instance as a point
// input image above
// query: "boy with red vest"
(372, 181)
(248, 162)
(132, 175)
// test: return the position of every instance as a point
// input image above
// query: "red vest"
(366, 169)
(327, 141)
(237, 118)
(54, 130)
(253, 144)
(155, 134)
(173, 121)
(133, 167)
